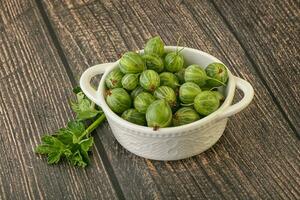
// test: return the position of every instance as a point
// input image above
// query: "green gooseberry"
(118, 100)
(142, 101)
(217, 74)
(206, 102)
(114, 78)
(164, 55)
(194, 73)
(180, 76)
(188, 91)
(155, 46)
(149, 80)
(132, 63)
(167, 93)
(174, 62)
(219, 95)
(130, 81)
(184, 116)
(169, 79)
(154, 62)
(159, 114)
(134, 116)
(137, 91)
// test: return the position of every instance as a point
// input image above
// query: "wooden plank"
(257, 156)
(35, 92)
(269, 32)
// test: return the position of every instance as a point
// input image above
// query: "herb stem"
(93, 126)
(92, 105)
(213, 88)
(187, 104)
(217, 81)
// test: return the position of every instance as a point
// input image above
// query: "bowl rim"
(167, 130)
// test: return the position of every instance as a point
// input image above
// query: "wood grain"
(257, 156)
(268, 32)
(34, 96)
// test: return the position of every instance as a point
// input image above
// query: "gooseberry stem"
(213, 88)
(178, 43)
(217, 81)
(92, 105)
(180, 49)
(187, 104)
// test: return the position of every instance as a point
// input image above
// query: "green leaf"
(84, 108)
(65, 136)
(77, 89)
(73, 141)
(67, 152)
(44, 149)
(53, 147)
(76, 129)
(86, 144)
(70, 142)
(48, 139)
(77, 160)
(54, 157)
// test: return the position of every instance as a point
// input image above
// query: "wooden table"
(45, 45)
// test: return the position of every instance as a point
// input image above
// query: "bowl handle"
(85, 80)
(248, 91)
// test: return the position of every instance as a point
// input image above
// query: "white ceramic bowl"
(172, 143)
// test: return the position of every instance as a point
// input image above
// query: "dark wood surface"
(46, 45)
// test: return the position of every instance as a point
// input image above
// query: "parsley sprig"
(74, 141)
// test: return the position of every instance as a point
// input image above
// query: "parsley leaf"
(76, 90)
(80, 157)
(54, 148)
(70, 142)
(73, 142)
(76, 129)
(84, 108)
